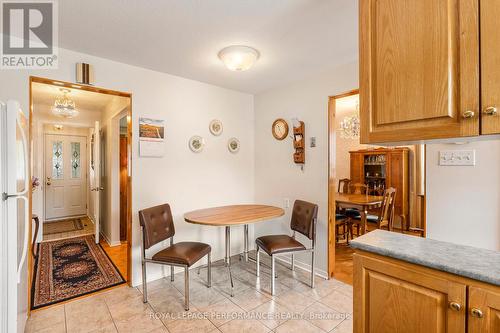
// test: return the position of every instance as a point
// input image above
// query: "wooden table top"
(358, 199)
(233, 215)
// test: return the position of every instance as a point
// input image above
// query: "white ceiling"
(296, 38)
(46, 94)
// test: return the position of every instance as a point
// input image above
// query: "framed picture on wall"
(151, 137)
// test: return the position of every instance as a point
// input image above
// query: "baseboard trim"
(110, 243)
(304, 266)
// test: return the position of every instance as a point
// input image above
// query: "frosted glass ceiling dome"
(238, 57)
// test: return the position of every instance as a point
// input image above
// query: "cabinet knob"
(490, 111)
(455, 306)
(476, 313)
(468, 114)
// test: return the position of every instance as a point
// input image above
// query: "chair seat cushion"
(369, 218)
(183, 253)
(274, 244)
(352, 212)
(340, 217)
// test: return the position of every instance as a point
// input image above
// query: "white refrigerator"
(14, 217)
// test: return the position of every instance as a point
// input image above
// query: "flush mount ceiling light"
(238, 57)
(64, 106)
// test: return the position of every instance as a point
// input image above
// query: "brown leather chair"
(304, 218)
(158, 225)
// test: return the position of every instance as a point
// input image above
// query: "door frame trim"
(331, 185)
(36, 79)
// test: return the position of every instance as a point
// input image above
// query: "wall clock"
(280, 129)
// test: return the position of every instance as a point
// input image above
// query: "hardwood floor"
(118, 255)
(343, 259)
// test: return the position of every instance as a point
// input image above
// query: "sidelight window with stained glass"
(75, 160)
(57, 160)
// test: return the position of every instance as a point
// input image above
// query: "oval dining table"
(233, 215)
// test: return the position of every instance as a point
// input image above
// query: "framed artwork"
(151, 137)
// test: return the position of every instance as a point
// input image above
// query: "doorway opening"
(82, 203)
(362, 179)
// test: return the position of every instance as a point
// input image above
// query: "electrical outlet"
(457, 157)
(287, 203)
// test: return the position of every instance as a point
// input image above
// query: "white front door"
(65, 176)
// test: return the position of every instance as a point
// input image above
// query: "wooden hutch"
(381, 168)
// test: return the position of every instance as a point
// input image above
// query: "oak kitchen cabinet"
(420, 66)
(404, 284)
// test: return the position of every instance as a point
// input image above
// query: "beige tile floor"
(295, 308)
(88, 229)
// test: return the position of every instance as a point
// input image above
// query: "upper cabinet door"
(490, 66)
(419, 69)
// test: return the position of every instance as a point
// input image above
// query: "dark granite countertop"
(474, 263)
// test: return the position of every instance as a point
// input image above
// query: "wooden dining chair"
(344, 185)
(158, 225)
(304, 216)
(341, 221)
(385, 216)
(358, 188)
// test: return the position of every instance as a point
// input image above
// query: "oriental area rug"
(70, 268)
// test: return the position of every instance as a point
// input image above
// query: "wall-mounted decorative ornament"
(233, 145)
(196, 143)
(215, 127)
(299, 141)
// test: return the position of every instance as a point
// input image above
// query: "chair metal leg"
(144, 283)
(312, 269)
(209, 270)
(186, 288)
(273, 270)
(293, 262)
(257, 261)
(172, 273)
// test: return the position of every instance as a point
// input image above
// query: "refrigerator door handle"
(26, 237)
(6, 196)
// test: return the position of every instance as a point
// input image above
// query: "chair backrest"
(157, 224)
(358, 188)
(303, 218)
(344, 185)
(387, 208)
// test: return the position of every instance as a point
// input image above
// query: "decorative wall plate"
(233, 145)
(215, 127)
(196, 143)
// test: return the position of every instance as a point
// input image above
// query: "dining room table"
(361, 202)
(231, 216)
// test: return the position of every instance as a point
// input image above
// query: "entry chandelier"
(349, 126)
(64, 106)
(238, 57)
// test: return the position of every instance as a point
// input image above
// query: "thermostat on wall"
(457, 157)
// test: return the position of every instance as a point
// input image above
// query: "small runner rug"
(69, 268)
(56, 227)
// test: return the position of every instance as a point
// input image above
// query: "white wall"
(186, 180)
(463, 202)
(276, 176)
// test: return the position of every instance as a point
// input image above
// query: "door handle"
(490, 111)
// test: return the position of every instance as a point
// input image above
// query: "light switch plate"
(457, 157)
